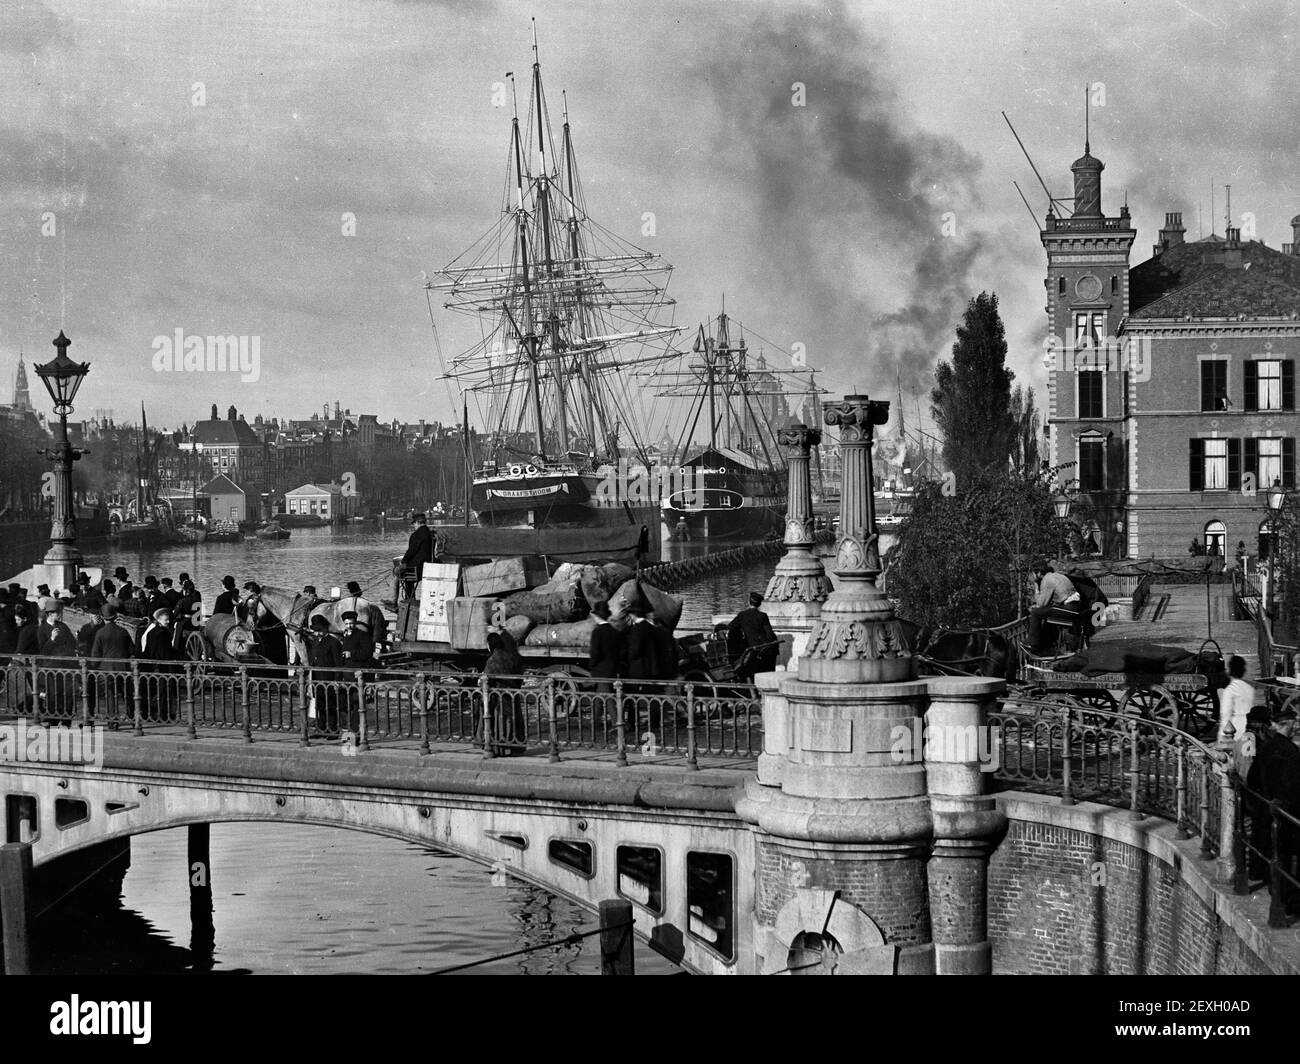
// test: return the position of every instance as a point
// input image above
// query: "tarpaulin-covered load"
(1141, 659)
(574, 634)
(666, 607)
(230, 641)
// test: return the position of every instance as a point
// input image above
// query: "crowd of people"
(150, 624)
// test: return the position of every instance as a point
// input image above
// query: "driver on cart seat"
(1056, 594)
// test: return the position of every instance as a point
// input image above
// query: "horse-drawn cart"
(1186, 699)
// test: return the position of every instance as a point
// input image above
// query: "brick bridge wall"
(1086, 890)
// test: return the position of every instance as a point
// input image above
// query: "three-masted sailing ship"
(735, 484)
(565, 308)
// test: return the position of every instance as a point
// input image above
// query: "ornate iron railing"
(1117, 759)
(671, 718)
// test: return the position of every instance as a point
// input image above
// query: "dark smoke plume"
(850, 193)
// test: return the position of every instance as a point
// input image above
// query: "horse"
(970, 652)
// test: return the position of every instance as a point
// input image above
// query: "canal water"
(303, 899)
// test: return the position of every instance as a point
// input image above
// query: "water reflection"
(291, 899)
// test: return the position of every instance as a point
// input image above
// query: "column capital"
(799, 438)
(855, 416)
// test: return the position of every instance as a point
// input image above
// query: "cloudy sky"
(188, 166)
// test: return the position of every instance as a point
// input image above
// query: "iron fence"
(556, 710)
(1150, 768)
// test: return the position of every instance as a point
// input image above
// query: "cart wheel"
(1150, 703)
(1196, 712)
(1099, 698)
(196, 649)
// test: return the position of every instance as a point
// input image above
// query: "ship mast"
(562, 299)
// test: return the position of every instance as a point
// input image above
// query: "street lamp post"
(62, 377)
(1276, 497)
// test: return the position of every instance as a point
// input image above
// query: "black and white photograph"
(702, 487)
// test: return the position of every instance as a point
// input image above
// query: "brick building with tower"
(1171, 383)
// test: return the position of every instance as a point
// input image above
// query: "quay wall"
(1087, 890)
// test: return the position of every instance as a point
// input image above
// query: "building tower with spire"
(1087, 300)
(22, 397)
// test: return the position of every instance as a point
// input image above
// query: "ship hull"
(726, 504)
(596, 541)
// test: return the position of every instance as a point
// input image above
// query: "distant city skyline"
(841, 173)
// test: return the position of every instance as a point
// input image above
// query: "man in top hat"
(228, 598)
(111, 652)
(188, 614)
(750, 630)
(113, 646)
(156, 647)
(54, 637)
(358, 647)
(419, 550)
(325, 652)
(1275, 776)
(170, 596)
(358, 652)
(121, 574)
(353, 601)
(55, 640)
(8, 627)
(43, 591)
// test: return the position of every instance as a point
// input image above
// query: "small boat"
(224, 532)
(191, 534)
(273, 530)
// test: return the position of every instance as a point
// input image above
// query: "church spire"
(22, 397)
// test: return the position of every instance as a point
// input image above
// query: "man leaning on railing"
(1275, 777)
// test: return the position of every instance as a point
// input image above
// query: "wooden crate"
(503, 576)
(470, 618)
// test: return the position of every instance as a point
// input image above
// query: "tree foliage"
(1025, 425)
(959, 556)
(971, 400)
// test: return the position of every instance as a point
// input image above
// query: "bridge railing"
(556, 710)
(1150, 768)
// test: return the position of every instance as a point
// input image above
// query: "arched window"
(1216, 538)
(1267, 536)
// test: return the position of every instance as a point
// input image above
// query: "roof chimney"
(230, 414)
(1295, 235)
(1172, 234)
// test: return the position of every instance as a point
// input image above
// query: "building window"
(1214, 384)
(1269, 384)
(1060, 285)
(1091, 393)
(1092, 464)
(1272, 460)
(710, 901)
(1089, 330)
(1216, 536)
(1214, 464)
(1114, 284)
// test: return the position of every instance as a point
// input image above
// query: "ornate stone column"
(857, 637)
(799, 584)
(841, 808)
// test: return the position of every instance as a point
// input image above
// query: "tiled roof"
(1227, 293)
(221, 485)
(225, 434)
(1170, 285)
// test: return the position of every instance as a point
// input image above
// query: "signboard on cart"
(439, 584)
